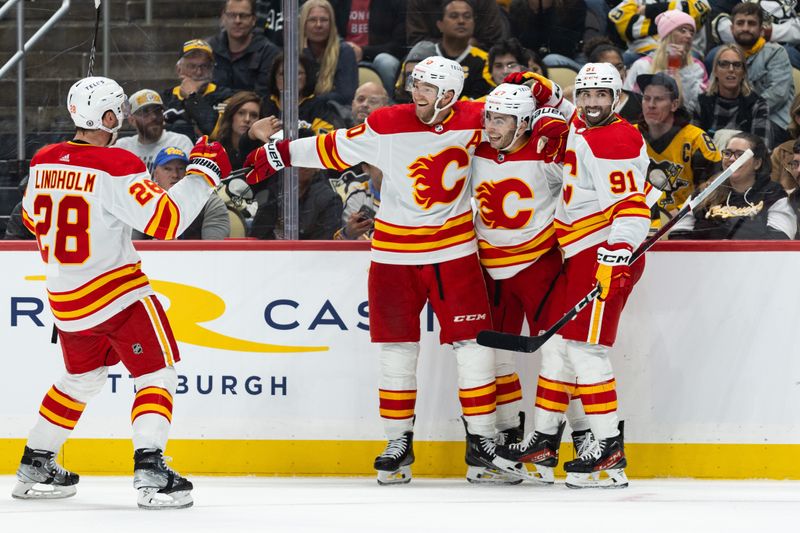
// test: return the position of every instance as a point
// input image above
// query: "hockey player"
(601, 216)
(82, 200)
(423, 249)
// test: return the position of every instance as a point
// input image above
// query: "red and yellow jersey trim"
(632, 206)
(328, 153)
(503, 256)
(97, 293)
(395, 238)
(164, 223)
(28, 222)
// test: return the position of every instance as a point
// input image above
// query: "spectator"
(212, 222)
(369, 97)
(422, 15)
(768, 69)
(456, 22)
(241, 111)
(552, 28)
(320, 207)
(671, 137)
(783, 153)
(362, 200)
(730, 102)
(314, 113)
(192, 108)
(506, 57)
(334, 63)
(535, 63)
(634, 21)
(748, 206)
(147, 117)
(793, 168)
(15, 227)
(676, 30)
(269, 17)
(602, 50)
(372, 29)
(421, 50)
(242, 56)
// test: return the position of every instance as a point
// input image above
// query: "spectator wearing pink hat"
(673, 55)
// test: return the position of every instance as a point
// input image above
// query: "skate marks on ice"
(425, 505)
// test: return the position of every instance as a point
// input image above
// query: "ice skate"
(539, 449)
(39, 476)
(159, 486)
(600, 465)
(394, 464)
(512, 435)
(581, 440)
(484, 466)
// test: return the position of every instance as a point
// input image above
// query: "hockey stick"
(94, 39)
(236, 174)
(523, 343)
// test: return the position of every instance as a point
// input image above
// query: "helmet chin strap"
(517, 134)
(437, 109)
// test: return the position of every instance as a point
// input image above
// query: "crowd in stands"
(700, 77)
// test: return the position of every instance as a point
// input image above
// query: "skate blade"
(39, 491)
(607, 479)
(518, 470)
(396, 477)
(490, 476)
(151, 499)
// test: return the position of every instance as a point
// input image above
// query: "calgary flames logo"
(491, 198)
(428, 175)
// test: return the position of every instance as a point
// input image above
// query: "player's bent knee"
(476, 363)
(83, 387)
(165, 378)
(399, 358)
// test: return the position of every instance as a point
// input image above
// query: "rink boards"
(278, 375)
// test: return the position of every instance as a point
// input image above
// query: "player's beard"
(596, 115)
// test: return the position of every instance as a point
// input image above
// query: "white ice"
(429, 505)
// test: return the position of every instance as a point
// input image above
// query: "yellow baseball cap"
(196, 44)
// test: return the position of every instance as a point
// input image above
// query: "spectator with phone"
(363, 198)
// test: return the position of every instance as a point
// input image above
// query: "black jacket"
(387, 32)
(196, 115)
(249, 71)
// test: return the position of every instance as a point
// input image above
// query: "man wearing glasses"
(242, 56)
(147, 116)
(192, 108)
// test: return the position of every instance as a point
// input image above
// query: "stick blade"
(508, 341)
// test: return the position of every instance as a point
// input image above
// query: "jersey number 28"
(71, 242)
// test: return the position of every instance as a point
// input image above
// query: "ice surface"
(430, 505)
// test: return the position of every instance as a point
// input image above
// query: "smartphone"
(365, 212)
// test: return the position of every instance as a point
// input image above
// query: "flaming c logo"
(428, 175)
(491, 198)
(191, 306)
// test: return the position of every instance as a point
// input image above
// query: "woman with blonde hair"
(782, 154)
(334, 61)
(730, 102)
(674, 56)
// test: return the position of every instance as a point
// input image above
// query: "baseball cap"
(660, 78)
(168, 154)
(144, 98)
(196, 44)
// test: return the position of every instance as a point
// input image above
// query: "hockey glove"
(612, 271)
(209, 160)
(267, 160)
(550, 130)
(546, 92)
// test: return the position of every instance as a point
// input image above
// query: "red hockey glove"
(613, 271)
(209, 160)
(546, 92)
(550, 129)
(267, 160)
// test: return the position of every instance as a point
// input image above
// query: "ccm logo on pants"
(469, 318)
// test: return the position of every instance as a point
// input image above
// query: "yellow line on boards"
(433, 459)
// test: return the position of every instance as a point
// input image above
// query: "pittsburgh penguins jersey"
(81, 203)
(639, 29)
(516, 196)
(425, 214)
(687, 155)
(603, 191)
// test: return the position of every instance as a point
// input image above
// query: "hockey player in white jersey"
(423, 249)
(83, 198)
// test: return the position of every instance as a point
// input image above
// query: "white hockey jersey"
(425, 215)
(603, 192)
(516, 196)
(81, 203)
